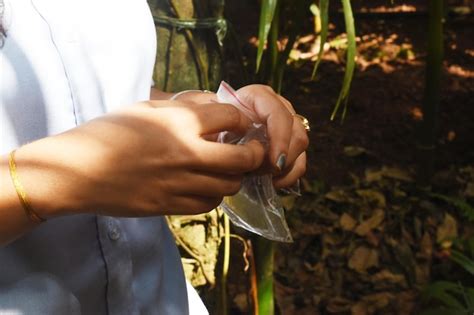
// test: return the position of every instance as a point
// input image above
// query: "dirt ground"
(382, 120)
(387, 91)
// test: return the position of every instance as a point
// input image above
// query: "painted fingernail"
(281, 162)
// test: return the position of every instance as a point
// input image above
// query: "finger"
(287, 104)
(279, 121)
(299, 141)
(297, 171)
(197, 97)
(217, 117)
(209, 185)
(191, 204)
(229, 158)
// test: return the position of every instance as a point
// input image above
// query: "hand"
(288, 137)
(147, 159)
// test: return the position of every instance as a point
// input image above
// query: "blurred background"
(385, 221)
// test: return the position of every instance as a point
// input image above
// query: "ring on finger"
(304, 121)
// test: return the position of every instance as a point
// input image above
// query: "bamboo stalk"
(428, 129)
(264, 253)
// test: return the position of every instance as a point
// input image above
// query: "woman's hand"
(288, 137)
(147, 159)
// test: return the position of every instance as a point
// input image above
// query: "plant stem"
(434, 62)
(273, 46)
(264, 252)
(225, 266)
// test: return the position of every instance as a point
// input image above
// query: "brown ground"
(384, 110)
(386, 95)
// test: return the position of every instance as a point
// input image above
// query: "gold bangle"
(304, 121)
(32, 215)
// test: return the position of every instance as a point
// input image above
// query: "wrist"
(48, 176)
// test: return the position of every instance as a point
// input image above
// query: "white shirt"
(65, 62)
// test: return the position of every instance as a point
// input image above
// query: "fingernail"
(281, 162)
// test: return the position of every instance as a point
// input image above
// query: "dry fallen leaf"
(338, 305)
(388, 276)
(374, 221)
(336, 196)
(360, 308)
(397, 173)
(347, 222)
(373, 175)
(426, 246)
(372, 196)
(447, 230)
(363, 258)
(378, 301)
(354, 151)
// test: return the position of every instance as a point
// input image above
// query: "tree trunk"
(188, 53)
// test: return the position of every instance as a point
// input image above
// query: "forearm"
(13, 220)
(46, 177)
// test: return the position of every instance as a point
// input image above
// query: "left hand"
(288, 137)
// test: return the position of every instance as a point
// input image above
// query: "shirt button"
(114, 234)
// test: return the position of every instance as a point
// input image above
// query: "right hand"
(147, 159)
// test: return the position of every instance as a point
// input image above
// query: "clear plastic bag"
(256, 207)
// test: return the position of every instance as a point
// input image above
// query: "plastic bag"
(256, 207)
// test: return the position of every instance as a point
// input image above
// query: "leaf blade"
(350, 60)
(324, 15)
(266, 18)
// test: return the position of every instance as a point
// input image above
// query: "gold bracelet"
(32, 215)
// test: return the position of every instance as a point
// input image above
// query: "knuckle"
(267, 87)
(249, 159)
(232, 114)
(302, 140)
(233, 188)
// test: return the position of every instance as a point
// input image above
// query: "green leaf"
(469, 297)
(441, 291)
(324, 15)
(292, 36)
(466, 208)
(266, 18)
(443, 311)
(470, 246)
(350, 61)
(463, 261)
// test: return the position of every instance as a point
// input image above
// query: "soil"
(384, 109)
(386, 97)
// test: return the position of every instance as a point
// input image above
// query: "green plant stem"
(264, 252)
(273, 46)
(350, 60)
(225, 266)
(324, 13)
(300, 11)
(265, 22)
(431, 101)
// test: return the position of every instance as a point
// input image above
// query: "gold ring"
(304, 121)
